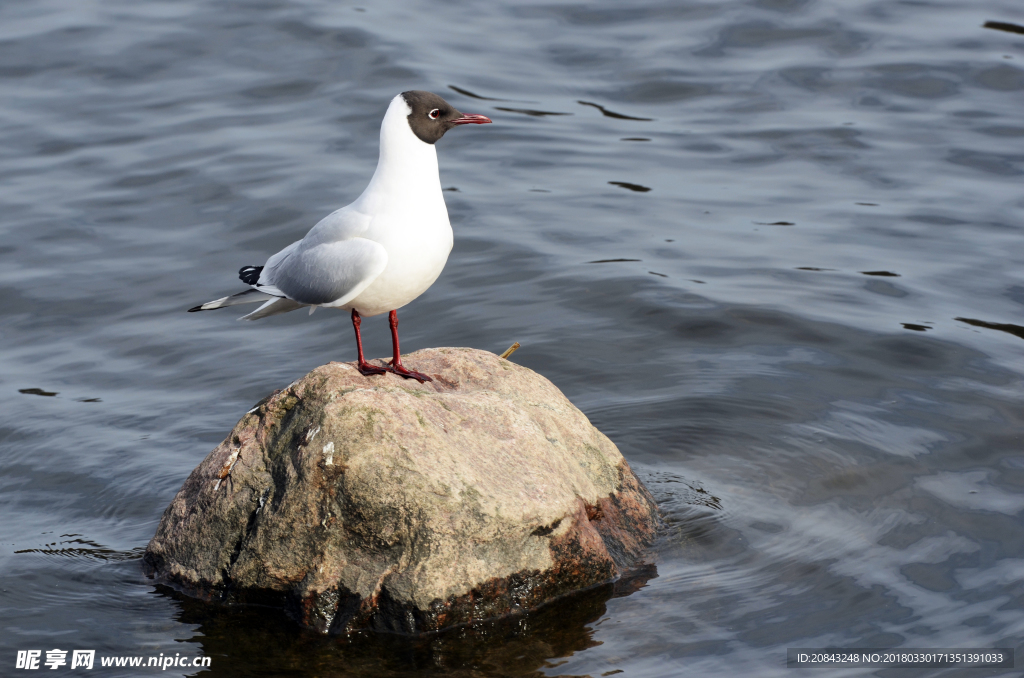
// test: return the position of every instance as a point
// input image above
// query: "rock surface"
(382, 503)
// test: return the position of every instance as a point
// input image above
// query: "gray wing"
(329, 273)
(331, 265)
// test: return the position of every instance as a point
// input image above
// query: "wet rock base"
(384, 504)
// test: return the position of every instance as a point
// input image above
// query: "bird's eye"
(435, 114)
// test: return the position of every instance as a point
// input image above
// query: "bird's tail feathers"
(273, 307)
(246, 297)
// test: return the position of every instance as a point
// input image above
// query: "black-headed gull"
(382, 251)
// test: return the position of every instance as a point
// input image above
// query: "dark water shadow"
(529, 111)
(1004, 26)
(37, 391)
(474, 95)
(1009, 328)
(636, 188)
(256, 640)
(466, 92)
(612, 114)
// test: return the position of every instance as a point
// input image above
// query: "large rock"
(379, 502)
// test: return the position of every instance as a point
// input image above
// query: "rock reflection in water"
(241, 638)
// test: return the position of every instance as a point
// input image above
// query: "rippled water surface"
(772, 248)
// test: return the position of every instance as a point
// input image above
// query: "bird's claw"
(408, 374)
(367, 370)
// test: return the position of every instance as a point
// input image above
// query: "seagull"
(382, 251)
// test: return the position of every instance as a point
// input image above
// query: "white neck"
(407, 168)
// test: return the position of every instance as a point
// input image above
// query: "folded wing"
(331, 273)
(330, 266)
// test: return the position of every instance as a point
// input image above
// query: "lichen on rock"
(382, 503)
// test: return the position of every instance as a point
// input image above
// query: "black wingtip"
(196, 308)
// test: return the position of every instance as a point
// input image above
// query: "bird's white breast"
(408, 216)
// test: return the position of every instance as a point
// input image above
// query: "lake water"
(810, 347)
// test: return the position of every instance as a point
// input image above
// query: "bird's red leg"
(365, 368)
(396, 362)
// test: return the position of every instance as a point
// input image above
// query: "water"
(863, 443)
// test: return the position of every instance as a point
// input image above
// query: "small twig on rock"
(510, 350)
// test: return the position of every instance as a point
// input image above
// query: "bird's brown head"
(431, 116)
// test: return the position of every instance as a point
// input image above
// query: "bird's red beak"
(471, 118)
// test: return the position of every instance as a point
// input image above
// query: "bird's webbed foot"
(366, 369)
(400, 370)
